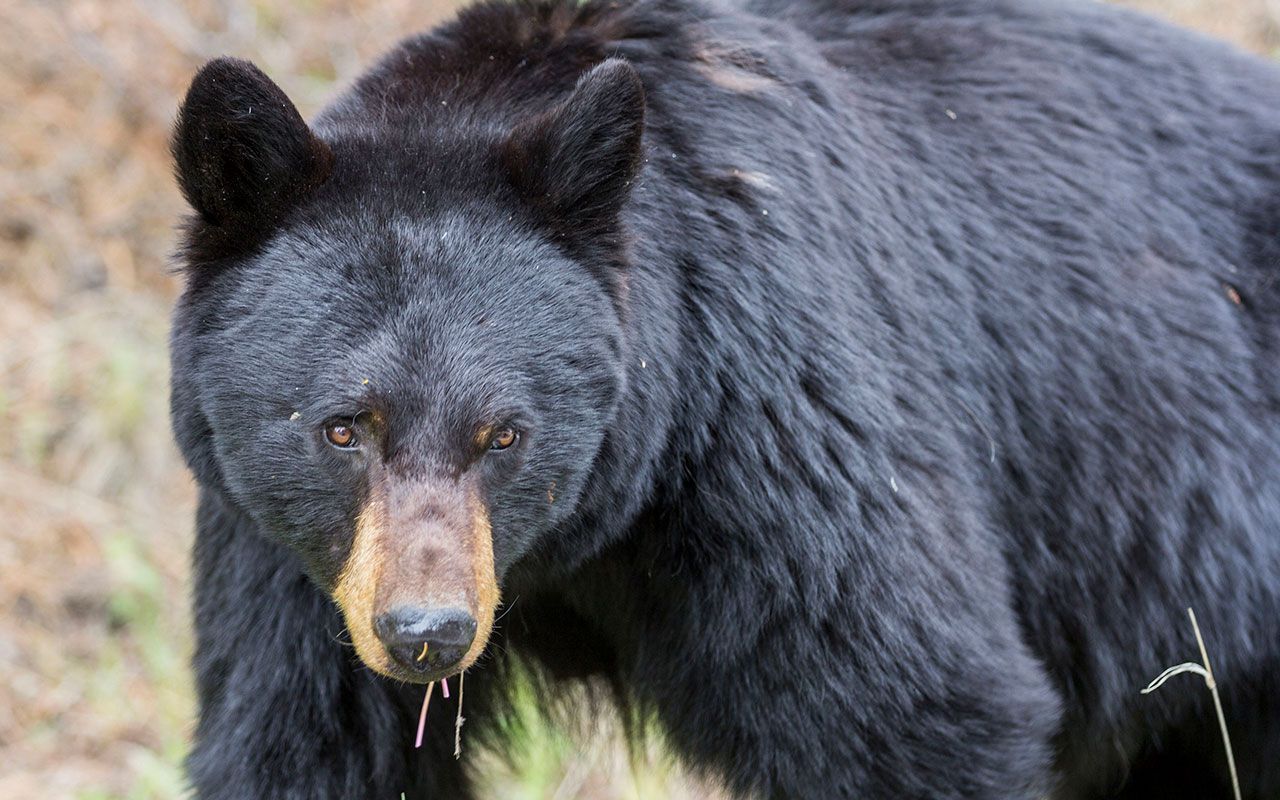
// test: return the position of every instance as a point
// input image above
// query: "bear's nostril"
(426, 639)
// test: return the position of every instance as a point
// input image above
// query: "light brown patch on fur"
(756, 180)
(486, 592)
(734, 70)
(358, 584)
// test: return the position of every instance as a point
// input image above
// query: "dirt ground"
(95, 505)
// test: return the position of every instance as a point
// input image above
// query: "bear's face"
(404, 375)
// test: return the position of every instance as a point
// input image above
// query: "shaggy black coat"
(894, 374)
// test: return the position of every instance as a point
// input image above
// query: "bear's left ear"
(576, 161)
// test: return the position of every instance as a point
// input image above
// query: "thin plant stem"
(1217, 704)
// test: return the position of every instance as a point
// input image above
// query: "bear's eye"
(503, 438)
(341, 435)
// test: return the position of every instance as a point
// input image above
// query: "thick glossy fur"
(900, 372)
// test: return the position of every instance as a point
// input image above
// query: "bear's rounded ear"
(243, 153)
(576, 161)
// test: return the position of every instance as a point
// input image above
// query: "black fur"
(244, 154)
(893, 376)
(574, 163)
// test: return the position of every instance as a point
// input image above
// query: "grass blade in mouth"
(422, 715)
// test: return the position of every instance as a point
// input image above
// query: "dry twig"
(1205, 671)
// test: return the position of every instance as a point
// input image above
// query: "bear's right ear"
(576, 162)
(242, 151)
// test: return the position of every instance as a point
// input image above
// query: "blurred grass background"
(95, 505)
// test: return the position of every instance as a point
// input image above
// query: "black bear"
(861, 390)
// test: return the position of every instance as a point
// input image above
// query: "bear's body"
(946, 346)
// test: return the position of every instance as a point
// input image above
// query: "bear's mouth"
(418, 590)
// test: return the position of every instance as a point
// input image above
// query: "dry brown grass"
(96, 507)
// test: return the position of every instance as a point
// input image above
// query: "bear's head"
(400, 345)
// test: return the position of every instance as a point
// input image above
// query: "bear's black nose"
(426, 639)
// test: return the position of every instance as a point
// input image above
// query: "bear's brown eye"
(340, 435)
(503, 438)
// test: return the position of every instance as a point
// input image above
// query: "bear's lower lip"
(448, 659)
(421, 678)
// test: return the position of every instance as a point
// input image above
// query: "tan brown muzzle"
(418, 590)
